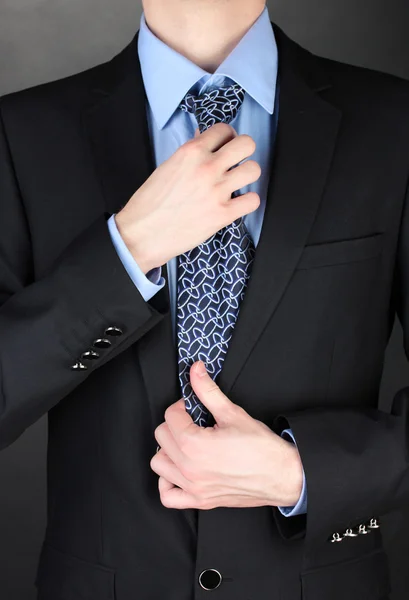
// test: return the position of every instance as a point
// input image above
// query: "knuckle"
(197, 490)
(193, 149)
(185, 442)
(189, 471)
(203, 503)
(225, 128)
(207, 167)
(158, 430)
(198, 501)
(190, 487)
(165, 500)
(238, 410)
(198, 147)
(233, 411)
(167, 414)
(185, 150)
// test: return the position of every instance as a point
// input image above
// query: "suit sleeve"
(356, 460)
(46, 325)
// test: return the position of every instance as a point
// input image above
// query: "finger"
(178, 419)
(232, 153)
(167, 442)
(241, 205)
(210, 394)
(243, 175)
(216, 136)
(164, 485)
(162, 465)
(173, 497)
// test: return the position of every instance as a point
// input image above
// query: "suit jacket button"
(210, 579)
(101, 343)
(114, 331)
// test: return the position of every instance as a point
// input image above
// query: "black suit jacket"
(331, 270)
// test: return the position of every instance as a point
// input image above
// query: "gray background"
(41, 40)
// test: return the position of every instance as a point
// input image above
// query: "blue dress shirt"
(167, 77)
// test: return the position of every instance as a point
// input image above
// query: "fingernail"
(201, 369)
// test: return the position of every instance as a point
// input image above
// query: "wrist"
(295, 475)
(135, 244)
(291, 472)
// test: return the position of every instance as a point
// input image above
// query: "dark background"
(41, 40)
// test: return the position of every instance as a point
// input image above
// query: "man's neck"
(205, 31)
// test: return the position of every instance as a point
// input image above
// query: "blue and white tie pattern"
(212, 277)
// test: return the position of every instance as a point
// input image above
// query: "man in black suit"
(143, 501)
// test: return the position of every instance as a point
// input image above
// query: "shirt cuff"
(301, 506)
(149, 284)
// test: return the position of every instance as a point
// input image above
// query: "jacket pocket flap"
(363, 578)
(64, 577)
(332, 253)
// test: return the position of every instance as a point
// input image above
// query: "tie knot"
(220, 105)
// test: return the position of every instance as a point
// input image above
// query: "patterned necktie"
(211, 278)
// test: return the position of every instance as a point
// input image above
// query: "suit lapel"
(305, 141)
(116, 125)
(116, 122)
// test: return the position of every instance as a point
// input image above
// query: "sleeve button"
(90, 355)
(79, 366)
(113, 331)
(101, 343)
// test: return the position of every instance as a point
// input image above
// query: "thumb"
(197, 133)
(209, 393)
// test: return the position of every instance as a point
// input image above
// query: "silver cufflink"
(350, 533)
(362, 530)
(374, 524)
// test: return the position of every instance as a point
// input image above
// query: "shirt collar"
(168, 75)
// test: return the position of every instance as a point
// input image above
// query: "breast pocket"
(343, 252)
